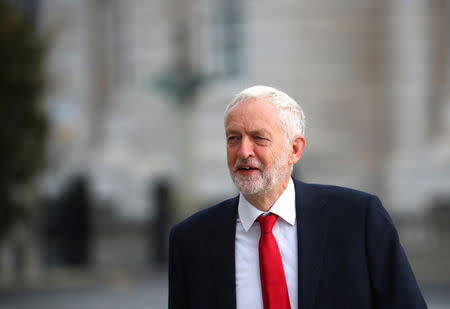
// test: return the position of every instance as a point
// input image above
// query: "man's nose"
(245, 149)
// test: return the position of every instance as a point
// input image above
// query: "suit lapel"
(311, 236)
(221, 244)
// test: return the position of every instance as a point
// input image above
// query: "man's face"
(257, 150)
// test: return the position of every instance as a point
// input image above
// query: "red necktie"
(273, 282)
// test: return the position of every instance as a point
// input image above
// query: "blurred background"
(112, 129)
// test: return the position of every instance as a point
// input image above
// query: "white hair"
(290, 114)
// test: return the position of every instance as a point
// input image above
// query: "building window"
(223, 38)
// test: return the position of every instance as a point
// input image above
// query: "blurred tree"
(23, 122)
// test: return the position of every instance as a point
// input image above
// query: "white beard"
(250, 185)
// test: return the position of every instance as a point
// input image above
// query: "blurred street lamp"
(181, 83)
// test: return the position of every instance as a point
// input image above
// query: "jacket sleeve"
(177, 285)
(392, 279)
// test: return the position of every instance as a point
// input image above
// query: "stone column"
(181, 85)
(408, 89)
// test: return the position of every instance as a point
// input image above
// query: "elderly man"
(283, 243)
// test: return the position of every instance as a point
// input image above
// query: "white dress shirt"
(248, 282)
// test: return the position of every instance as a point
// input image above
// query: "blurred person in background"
(283, 243)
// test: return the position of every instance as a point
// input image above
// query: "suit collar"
(311, 237)
(284, 207)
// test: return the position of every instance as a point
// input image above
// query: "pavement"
(113, 290)
(437, 297)
(119, 288)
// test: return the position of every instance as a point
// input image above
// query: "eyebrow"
(260, 132)
(254, 132)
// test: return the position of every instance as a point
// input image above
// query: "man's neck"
(265, 199)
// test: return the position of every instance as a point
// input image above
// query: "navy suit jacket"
(349, 255)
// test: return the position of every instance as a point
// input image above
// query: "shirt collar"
(284, 207)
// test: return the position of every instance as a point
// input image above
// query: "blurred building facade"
(372, 76)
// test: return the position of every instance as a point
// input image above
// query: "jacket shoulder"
(343, 198)
(338, 192)
(208, 217)
(335, 192)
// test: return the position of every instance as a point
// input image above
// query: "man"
(330, 247)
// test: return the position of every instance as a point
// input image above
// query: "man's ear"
(296, 149)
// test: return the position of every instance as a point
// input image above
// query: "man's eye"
(261, 140)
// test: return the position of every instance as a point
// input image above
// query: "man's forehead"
(254, 104)
(255, 108)
(253, 116)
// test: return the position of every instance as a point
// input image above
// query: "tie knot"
(267, 222)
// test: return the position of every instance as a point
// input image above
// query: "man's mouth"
(247, 170)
